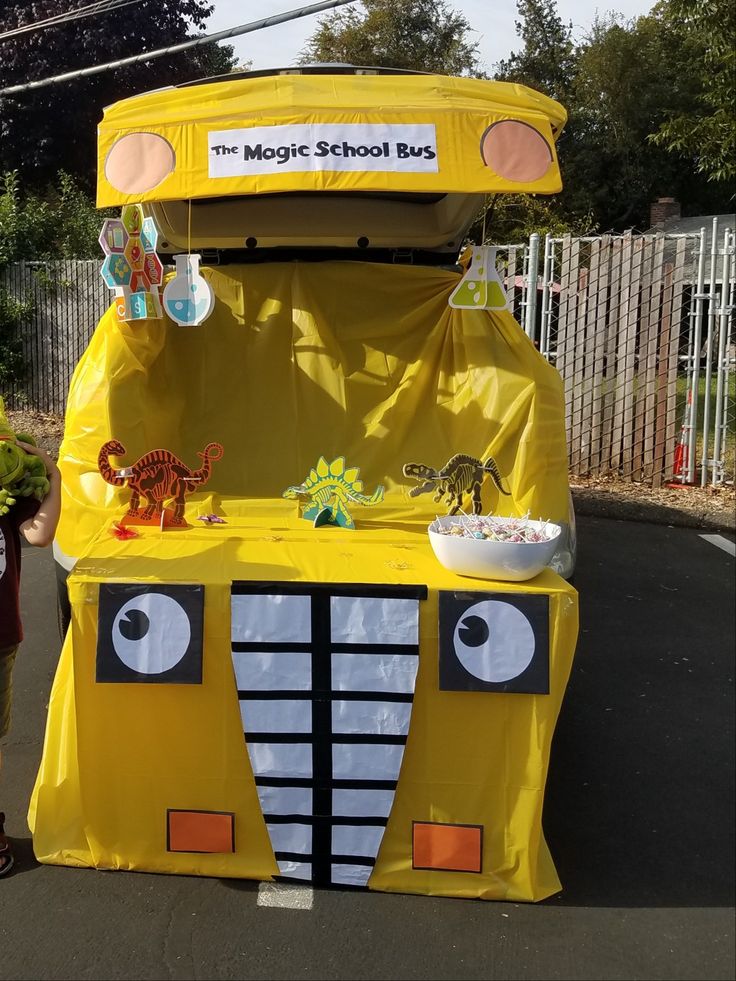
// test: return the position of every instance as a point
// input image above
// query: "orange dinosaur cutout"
(158, 476)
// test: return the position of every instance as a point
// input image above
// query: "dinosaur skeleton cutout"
(461, 475)
(328, 491)
(158, 476)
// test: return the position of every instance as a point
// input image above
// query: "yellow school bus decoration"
(250, 696)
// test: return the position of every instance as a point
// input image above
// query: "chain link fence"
(641, 329)
(63, 301)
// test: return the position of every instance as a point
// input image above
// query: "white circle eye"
(151, 633)
(494, 641)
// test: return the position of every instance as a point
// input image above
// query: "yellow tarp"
(448, 115)
(117, 756)
(294, 364)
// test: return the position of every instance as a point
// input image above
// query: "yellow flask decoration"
(481, 287)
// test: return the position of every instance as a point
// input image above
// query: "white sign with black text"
(407, 148)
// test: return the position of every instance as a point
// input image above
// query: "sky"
(492, 23)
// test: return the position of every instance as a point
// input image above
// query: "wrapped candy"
(497, 529)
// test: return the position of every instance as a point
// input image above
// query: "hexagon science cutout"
(131, 267)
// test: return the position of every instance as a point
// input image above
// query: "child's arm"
(40, 529)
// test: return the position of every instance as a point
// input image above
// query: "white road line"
(285, 895)
(720, 542)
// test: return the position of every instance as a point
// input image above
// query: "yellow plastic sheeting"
(171, 135)
(303, 360)
(117, 756)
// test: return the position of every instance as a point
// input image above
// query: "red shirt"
(11, 630)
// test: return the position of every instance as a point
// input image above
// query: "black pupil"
(135, 624)
(474, 631)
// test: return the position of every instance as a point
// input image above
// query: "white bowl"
(484, 559)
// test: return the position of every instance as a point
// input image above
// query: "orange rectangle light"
(447, 847)
(200, 831)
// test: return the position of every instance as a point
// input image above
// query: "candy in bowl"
(486, 547)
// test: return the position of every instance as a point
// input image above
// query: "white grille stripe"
(372, 620)
(274, 619)
(272, 670)
(291, 838)
(295, 870)
(285, 800)
(378, 718)
(362, 803)
(355, 840)
(353, 761)
(281, 759)
(276, 715)
(351, 875)
(395, 673)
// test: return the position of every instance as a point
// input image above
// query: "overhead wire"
(92, 9)
(176, 48)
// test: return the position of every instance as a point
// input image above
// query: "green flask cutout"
(481, 287)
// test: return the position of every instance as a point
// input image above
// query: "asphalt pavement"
(639, 816)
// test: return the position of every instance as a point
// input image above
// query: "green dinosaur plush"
(21, 474)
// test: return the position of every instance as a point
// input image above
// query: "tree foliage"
(425, 35)
(619, 84)
(14, 314)
(44, 130)
(61, 224)
(650, 102)
(547, 59)
(628, 76)
(705, 131)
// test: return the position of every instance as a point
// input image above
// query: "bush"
(13, 315)
(62, 224)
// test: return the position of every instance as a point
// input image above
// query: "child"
(37, 523)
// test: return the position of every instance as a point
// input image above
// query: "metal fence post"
(722, 364)
(705, 460)
(546, 287)
(532, 276)
(695, 373)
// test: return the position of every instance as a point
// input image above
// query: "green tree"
(514, 217)
(619, 85)
(630, 76)
(421, 35)
(706, 132)
(14, 315)
(43, 130)
(628, 72)
(547, 60)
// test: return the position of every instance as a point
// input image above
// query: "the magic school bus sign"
(326, 146)
(414, 133)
